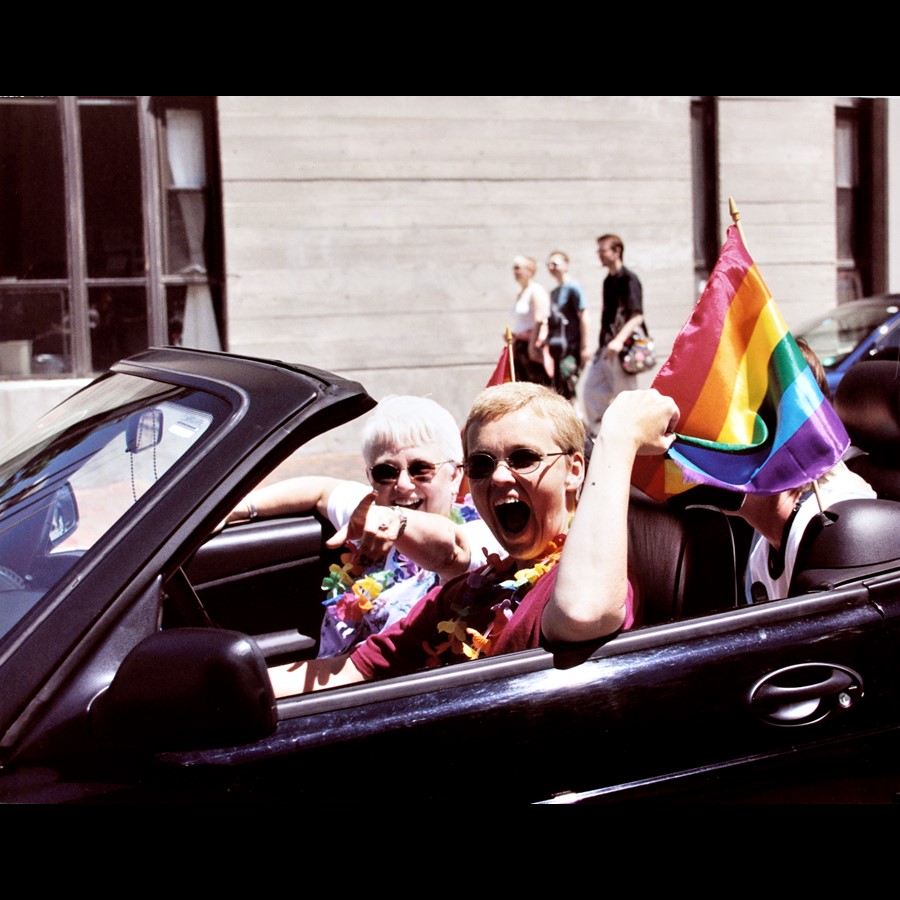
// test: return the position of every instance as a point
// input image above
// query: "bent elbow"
(580, 624)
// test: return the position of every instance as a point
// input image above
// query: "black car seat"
(851, 539)
(681, 562)
(868, 403)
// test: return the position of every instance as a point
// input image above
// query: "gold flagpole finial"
(735, 216)
(512, 365)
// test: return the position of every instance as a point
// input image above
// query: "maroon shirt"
(435, 631)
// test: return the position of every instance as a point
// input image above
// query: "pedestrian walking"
(530, 312)
(623, 311)
(568, 327)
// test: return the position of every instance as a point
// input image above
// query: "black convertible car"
(134, 636)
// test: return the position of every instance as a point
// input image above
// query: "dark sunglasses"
(524, 461)
(418, 469)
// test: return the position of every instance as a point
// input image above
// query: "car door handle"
(805, 693)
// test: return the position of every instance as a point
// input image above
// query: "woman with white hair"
(408, 531)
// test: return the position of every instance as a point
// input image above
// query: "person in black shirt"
(623, 311)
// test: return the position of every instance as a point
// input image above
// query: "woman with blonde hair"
(531, 312)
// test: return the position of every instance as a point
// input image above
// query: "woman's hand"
(374, 527)
(645, 416)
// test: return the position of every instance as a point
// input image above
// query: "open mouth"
(409, 504)
(513, 515)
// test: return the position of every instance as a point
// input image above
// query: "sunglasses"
(418, 469)
(524, 461)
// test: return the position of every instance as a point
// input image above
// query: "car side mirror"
(187, 689)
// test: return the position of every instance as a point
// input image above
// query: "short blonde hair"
(528, 260)
(502, 399)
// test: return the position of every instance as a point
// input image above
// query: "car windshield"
(68, 480)
(833, 337)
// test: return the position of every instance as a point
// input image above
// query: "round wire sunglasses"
(523, 461)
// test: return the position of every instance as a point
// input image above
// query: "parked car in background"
(135, 635)
(857, 331)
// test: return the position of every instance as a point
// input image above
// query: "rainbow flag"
(753, 418)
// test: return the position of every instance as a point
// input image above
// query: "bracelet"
(253, 512)
(403, 521)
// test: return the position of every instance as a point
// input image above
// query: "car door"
(793, 699)
(265, 576)
(70, 618)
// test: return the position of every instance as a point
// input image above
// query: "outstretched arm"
(293, 495)
(588, 599)
(431, 541)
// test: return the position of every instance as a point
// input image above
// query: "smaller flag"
(501, 372)
(753, 419)
(504, 371)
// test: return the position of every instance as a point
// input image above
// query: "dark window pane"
(112, 190)
(32, 192)
(187, 218)
(35, 337)
(846, 226)
(118, 324)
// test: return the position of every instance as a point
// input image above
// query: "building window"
(110, 231)
(861, 210)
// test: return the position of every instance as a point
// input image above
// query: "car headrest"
(867, 401)
(850, 539)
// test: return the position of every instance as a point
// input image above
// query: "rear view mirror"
(144, 430)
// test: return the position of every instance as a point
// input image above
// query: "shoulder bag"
(639, 353)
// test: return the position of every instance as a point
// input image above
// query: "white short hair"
(405, 421)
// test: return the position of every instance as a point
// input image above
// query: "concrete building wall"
(776, 158)
(375, 236)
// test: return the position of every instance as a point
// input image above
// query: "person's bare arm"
(540, 311)
(293, 495)
(313, 675)
(585, 351)
(617, 344)
(588, 599)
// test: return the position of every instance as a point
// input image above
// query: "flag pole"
(509, 351)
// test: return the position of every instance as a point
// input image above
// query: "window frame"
(864, 273)
(78, 284)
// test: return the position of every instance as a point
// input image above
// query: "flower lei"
(353, 591)
(486, 593)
